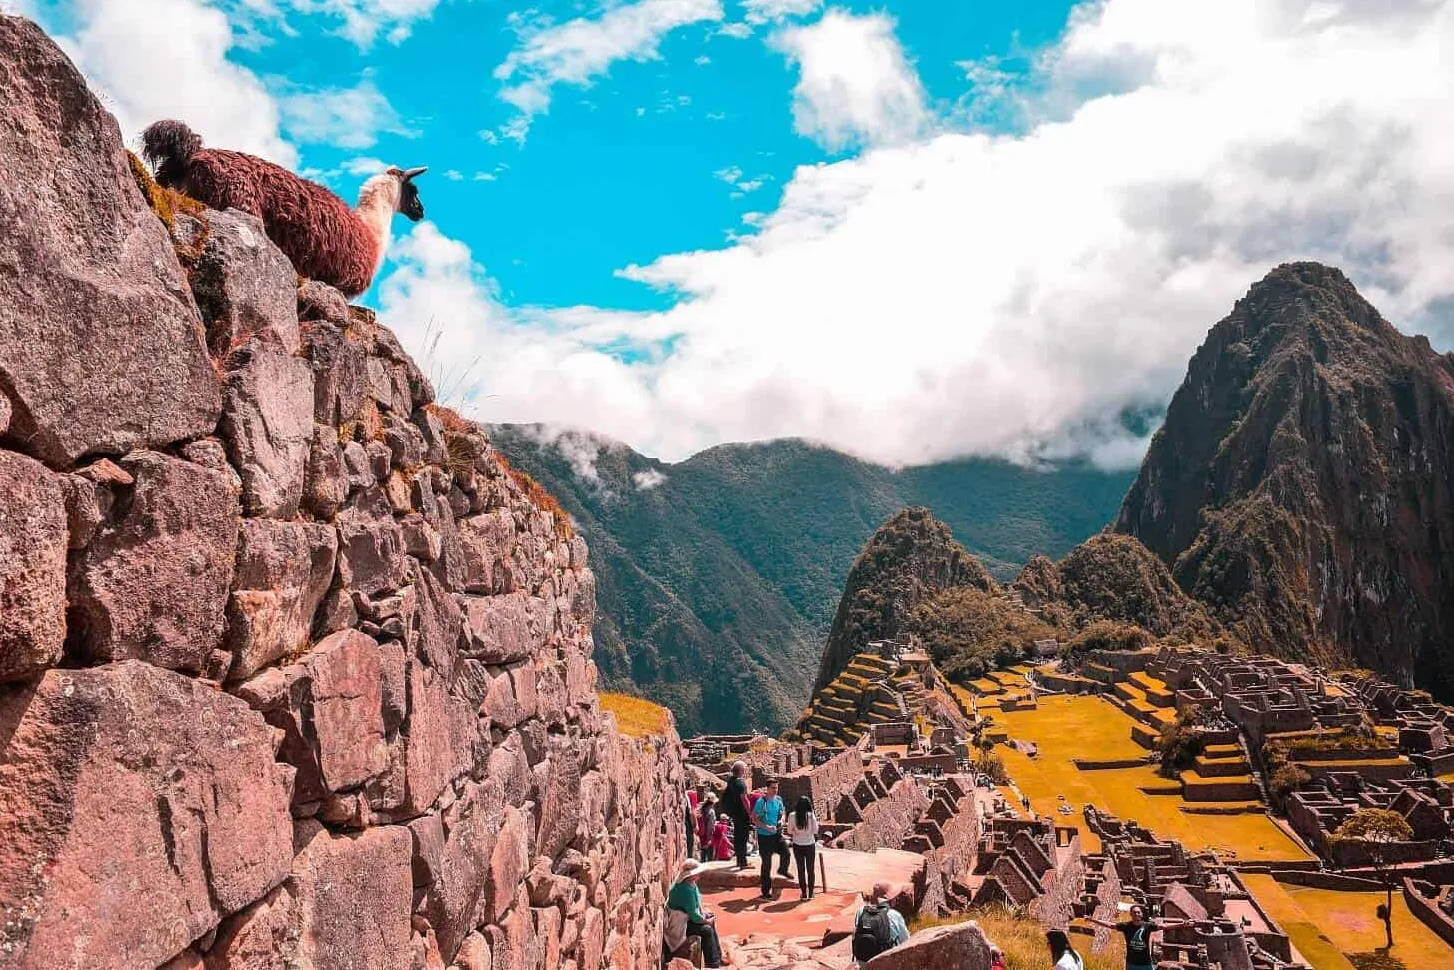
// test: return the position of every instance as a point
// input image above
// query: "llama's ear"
(411, 173)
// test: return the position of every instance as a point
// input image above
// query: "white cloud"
(1012, 294)
(739, 30)
(143, 74)
(454, 175)
(345, 117)
(730, 174)
(764, 11)
(647, 479)
(855, 86)
(581, 50)
(361, 21)
(364, 165)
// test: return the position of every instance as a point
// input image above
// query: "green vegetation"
(910, 559)
(969, 632)
(1279, 751)
(1286, 780)
(716, 586)
(1180, 744)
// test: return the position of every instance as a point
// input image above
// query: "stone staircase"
(870, 690)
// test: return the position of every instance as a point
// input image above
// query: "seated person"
(686, 898)
(878, 926)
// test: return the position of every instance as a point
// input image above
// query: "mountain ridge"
(785, 520)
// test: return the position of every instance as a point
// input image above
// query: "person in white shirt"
(1061, 952)
(803, 835)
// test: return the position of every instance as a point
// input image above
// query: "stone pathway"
(789, 932)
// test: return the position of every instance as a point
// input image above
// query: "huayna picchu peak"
(1302, 486)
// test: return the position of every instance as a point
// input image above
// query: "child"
(722, 839)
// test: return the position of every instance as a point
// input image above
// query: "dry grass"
(636, 717)
(1023, 939)
(537, 494)
(166, 204)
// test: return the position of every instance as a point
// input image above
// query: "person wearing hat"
(686, 898)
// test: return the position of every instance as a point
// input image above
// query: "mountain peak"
(1301, 484)
(910, 557)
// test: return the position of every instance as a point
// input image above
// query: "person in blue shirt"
(768, 815)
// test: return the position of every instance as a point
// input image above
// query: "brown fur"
(322, 235)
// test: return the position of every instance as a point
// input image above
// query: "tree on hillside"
(1378, 828)
(1181, 743)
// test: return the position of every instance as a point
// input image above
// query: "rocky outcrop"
(911, 557)
(1303, 483)
(101, 350)
(1112, 578)
(294, 671)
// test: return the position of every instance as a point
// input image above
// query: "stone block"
(244, 285)
(180, 822)
(101, 349)
(153, 583)
(33, 545)
(283, 572)
(267, 426)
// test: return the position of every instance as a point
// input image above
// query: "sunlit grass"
(1023, 939)
(1081, 726)
(636, 717)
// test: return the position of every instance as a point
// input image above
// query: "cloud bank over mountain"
(1015, 293)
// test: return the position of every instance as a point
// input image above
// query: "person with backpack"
(1062, 954)
(768, 815)
(803, 834)
(878, 926)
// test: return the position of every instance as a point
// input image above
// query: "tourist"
(689, 819)
(686, 898)
(878, 926)
(722, 839)
(707, 827)
(739, 810)
(1137, 931)
(803, 834)
(997, 958)
(768, 816)
(1062, 954)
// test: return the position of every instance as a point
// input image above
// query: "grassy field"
(636, 717)
(1082, 726)
(1339, 931)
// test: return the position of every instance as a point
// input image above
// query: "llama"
(325, 238)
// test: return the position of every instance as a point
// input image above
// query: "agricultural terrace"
(1067, 727)
(1325, 925)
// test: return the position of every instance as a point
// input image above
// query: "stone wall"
(294, 670)
(824, 784)
(887, 821)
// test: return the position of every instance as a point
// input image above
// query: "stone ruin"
(294, 669)
(1227, 926)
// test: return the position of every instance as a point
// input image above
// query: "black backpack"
(872, 934)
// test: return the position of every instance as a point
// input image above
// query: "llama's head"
(409, 205)
(392, 190)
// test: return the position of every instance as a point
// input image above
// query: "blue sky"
(626, 168)
(912, 230)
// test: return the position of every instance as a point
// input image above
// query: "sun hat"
(690, 869)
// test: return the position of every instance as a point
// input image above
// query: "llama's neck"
(377, 201)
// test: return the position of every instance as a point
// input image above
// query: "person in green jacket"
(687, 898)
